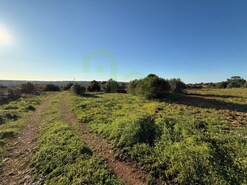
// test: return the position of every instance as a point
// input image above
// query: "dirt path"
(125, 171)
(16, 167)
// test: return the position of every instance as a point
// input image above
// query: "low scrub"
(62, 158)
(176, 143)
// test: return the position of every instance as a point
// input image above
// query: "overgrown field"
(62, 157)
(180, 141)
(12, 120)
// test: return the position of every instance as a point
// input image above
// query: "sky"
(195, 40)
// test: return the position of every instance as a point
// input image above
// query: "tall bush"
(78, 89)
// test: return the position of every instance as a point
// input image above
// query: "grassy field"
(186, 139)
(63, 158)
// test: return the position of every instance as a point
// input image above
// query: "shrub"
(94, 86)
(221, 85)
(68, 86)
(142, 130)
(1, 120)
(233, 84)
(78, 89)
(245, 85)
(152, 87)
(27, 88)
(128, 132)
(132, 86)
(177, 85)
(111, 86)
(13, 94)
(51, 87)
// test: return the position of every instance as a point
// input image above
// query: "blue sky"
(195, 40)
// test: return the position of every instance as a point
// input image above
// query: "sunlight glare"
(6, 38)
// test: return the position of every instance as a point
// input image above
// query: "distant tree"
(27, 88)
(235, 81)
(221, 85)
(132, 86)
(177, 85)
(233, 84)
(111, 86)
(51, 87)
(78, 89)
(122, 88)
(67, 86)
(94, 86)
(245, 85)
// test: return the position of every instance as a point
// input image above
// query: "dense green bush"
(177, 85)
(94, 86)
(111, 86)
(221, 85)
(78, 89)
(127, 133)
(150, 87)
(51, 87)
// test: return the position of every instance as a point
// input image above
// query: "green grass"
(235, 95)
(183, 145)
(63, 158)
(12, 120)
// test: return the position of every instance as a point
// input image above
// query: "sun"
(5, 37)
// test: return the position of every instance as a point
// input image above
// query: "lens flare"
(6, 38)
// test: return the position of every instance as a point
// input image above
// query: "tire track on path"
(125, 171)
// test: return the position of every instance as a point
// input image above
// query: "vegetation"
(68, 86)
(63, 158)
(78, 89)
(150, 87)
(233, 82)
(27, 88)
(177, 86)
(177, 143)
(12, 118)
(51, 87)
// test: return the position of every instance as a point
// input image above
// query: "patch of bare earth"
(126, 171)
(16, 165)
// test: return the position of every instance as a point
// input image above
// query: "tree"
(221, 85)
(94, 86)
(132, 86)
(245, 85)
(177, 85)
(111, 86)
